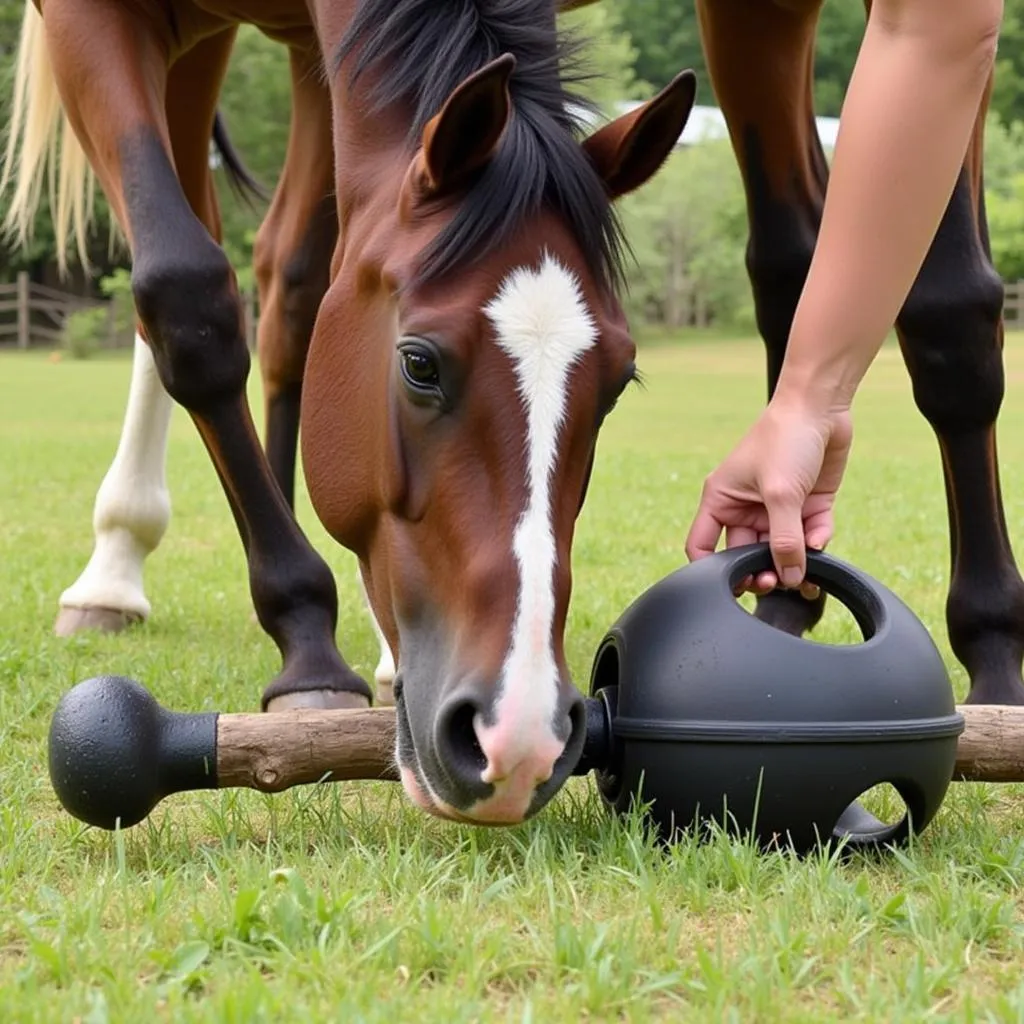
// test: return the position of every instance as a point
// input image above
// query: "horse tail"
(41, 144)
(37, 132)
(242, 183)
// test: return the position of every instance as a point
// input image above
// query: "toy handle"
(871, 604)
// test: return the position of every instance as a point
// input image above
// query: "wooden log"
(291, 748)
(991, 747)
(275, 752)
(114, 752)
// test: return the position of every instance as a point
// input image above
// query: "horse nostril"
(523, 753)
(457, 741)
(576, 716)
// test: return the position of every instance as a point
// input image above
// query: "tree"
(609, 54)
(256, 106)
(688, 230)
(666, 34)
(1008, 88)
(1004, 195)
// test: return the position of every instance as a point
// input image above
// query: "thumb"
(786, 539)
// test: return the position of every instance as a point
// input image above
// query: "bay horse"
(450, 243)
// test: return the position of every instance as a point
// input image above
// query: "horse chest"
(280, 19)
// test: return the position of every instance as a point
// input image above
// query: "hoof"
(321, 700)
(103, 620)
(789, 612)
(996, 692)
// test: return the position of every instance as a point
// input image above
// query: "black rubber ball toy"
(716, 716)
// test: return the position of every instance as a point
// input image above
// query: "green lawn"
(344, 902)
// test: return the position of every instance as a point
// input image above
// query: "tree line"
(687, 228)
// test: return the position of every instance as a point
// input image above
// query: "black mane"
(424, 49)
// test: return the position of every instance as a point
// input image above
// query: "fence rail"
(1013, 304)
(33, 314)
(36, 315)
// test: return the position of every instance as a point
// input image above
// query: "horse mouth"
(416, 786)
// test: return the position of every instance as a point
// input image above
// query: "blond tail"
(37, 132)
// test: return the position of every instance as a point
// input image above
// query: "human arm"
(906, 124)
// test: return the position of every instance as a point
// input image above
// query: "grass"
(343, 902)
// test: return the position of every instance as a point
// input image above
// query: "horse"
(466, 339)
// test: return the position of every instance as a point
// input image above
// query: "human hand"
(777, 485)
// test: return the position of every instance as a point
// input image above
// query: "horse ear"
(629, 150)
(462, 137)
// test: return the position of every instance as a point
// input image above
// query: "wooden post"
(24, 334)
(1013, 301)
(250, 320)
(700, 308)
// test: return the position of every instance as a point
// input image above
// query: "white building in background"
(706, 123)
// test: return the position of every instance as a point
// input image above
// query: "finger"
(818, 530)
(766, 581)
(785, 524)
(737, 536)
(743, 586)
(705, 531)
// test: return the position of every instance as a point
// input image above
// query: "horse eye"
(420, 369)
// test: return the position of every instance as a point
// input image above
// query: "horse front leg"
(951, 336)
(116, 97)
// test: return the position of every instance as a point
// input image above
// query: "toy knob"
(114, 752)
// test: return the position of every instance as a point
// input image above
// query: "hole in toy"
(606, 668)
(874, 814)
(789, 612)
(606, 674)
(884, 802)
(792, 613)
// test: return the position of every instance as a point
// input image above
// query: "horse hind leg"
(292, 258)
(132, 506)
(188, 302)
(130, 515)
(760, 57)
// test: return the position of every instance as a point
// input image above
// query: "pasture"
(345, 903)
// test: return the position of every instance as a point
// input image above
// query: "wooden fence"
(1013, 304)
(34, 315)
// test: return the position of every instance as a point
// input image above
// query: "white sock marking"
(384, 673)
(133, 505)
(544, 325)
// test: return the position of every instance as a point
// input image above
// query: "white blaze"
(543, 324)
